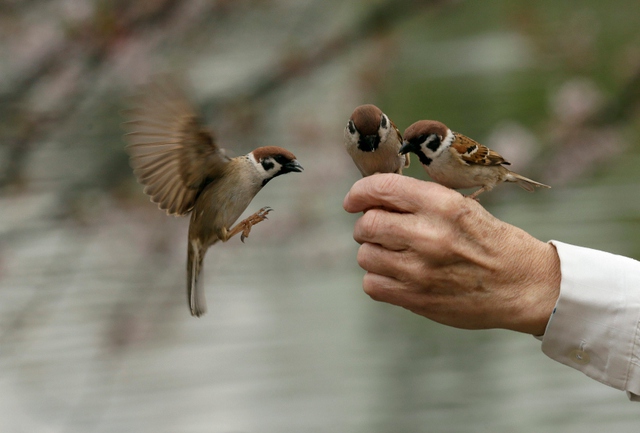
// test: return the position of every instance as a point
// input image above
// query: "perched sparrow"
(373, 141)
(456, 161)
(184, 170)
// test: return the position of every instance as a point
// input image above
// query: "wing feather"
(172, 154)
(472, 152)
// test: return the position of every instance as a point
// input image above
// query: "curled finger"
(379, 260)
(382, 288)
(391, 230)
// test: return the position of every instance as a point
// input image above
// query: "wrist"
(542, 291)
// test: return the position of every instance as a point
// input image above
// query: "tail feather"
(195, 289)
(524, 182)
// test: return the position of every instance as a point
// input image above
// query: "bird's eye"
(421, 138)
(384, 122)
(352, 127)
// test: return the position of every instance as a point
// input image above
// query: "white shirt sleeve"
(595, 326)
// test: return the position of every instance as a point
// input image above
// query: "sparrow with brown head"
(373, 141)
(458, 162)
(184, 170)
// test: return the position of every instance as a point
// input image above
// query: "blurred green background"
(95, 334)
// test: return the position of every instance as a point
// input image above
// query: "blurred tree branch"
(378, 19)
(89, 40)
(582, 144)
(88, 43)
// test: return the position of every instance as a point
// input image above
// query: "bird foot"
(475, 194)
(246, 224)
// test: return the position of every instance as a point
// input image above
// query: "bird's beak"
(293, 166)
(406, 148)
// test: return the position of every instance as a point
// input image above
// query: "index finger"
(391, 191)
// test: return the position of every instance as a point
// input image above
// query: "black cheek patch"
(383, 122)
(267, 164)
(352, 127)
(434, 144)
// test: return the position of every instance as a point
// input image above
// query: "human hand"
(438, 254)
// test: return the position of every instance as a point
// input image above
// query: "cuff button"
(579, 357)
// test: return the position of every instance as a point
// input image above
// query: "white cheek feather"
(351, 138)
(383, 133)
(448, 139)
(265, 174)
(262, 173)
(276, 168)
(255, 162)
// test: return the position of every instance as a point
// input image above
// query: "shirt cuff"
(594, 326)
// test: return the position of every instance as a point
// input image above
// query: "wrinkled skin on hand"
(443, 256)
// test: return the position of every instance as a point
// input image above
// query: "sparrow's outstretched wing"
(170, 150)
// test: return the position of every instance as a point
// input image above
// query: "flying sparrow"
(184, 170)
(373, 141)
(456, 161)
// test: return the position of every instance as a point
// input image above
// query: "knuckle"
(452, 204)
(459, 213)
(372, 288)
(387, 183)
(363, 256)
(406, 260)
(369, 224)
(444, 239)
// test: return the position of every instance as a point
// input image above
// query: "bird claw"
(252, 220)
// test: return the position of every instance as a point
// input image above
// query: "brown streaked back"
(473, 152)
